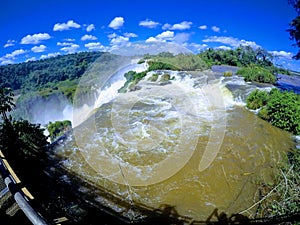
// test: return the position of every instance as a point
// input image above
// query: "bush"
(263, 113)
(257, 99)
(58, 128)
(153, 65)
(284, 110)
(228, 74)
(154, 77)
(257, 74)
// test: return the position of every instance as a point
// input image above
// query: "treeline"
(38, 74)
(243, 56)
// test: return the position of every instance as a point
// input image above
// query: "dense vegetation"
(58, 128)
(257, 74)
(183, 62)
(34, 75)
(243, 56)
(282, 109)
(20, 135)
(294, 30)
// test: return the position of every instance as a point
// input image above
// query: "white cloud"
(223, 47)
(65, 26)
(15, 53)
(231, 41)
(49, 55)
(116, 23)
(40, 48)
(31, 59)
(111, 36)
(90, 27)
(9, 43)
(95, 46)
(35, 38)
(194, 47)
(151, 39)
(181, 38)
(166, 26)
(88, 37)
(203, 27)
(284, 54)
(64, 43)
(6, 61)
(215, 28)
(184, 25)
(70, 49)
(119, 40)
(148, 23)
(163, 37)
(8, 58)
(69, 39)
(166, 35)
(130, 35)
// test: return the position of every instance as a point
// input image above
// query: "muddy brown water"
(122, 151)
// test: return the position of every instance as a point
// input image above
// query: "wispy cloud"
(90, 27)
(9, 43)
(35, 38)
(215, 29)
(162, 37)
(95, 46)
(194, 47)
(70, 49)
(181, 38)
(49, 55)
(69, 39)
(116, 23)
(40, 48)
(66, 26)
(148, 23)
(184, 25)
(64, 44)
(88, 37)
(231, 41)
(31, 59)
(119, 40)
(203, 27)
(223, 47)
(130, 35)
(15, 53)
(8, 58)
(284, 54)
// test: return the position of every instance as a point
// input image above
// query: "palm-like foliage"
(6, 102)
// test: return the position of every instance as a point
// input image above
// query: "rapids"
(188, 142)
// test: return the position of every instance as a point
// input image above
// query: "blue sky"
(37, 29)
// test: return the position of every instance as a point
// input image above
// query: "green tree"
(6, 102)
(284, 110)
(22, 138)
(294, 29)
(58, 128)
(257, 99)
(257, 74)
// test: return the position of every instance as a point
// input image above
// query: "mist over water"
(145, 146)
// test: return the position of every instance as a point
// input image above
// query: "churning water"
(188, 142)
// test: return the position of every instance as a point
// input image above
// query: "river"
(189, 142)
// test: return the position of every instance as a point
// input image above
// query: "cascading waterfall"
(146, 145)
